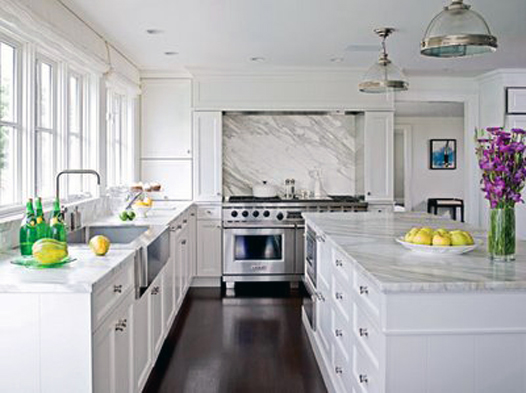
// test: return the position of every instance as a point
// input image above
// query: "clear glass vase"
(501, 234)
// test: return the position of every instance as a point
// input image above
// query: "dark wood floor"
(252, 343)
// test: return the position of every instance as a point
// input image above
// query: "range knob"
(245, 213)
(234, 213)
(266, 213)
(280, 216)
(256, 213)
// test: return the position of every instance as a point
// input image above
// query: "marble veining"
(278, 147)
(368, 240)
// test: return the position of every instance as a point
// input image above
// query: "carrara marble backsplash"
(276, 147)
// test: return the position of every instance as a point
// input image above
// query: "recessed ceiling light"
(171, 53)
(154, 31)
(258, 59)
(337, 60)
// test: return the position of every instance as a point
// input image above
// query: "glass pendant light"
(383, 76)
(457, 31)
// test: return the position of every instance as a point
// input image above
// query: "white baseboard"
(198, 282)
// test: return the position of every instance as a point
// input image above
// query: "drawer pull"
(363, 332)
(339, 295)
(338, 333)
(156, 290)
(185, 221)
(183, 242)
(364, 290)
(363, 378)
(121, 325)
(117, 288)
(339, 263)
(338, 370)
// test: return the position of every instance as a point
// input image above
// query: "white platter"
(442, 250)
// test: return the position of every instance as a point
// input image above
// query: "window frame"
(55, 130)
(17, 125)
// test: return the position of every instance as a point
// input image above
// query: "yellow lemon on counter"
(458, 238)
(411, 234)
(422, 237)
(99, 244)
(469, 237)
(441, 240)
(48, 251)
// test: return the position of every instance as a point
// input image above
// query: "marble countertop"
(82, 274)
(368, 240)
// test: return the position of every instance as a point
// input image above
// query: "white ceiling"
(294, 33)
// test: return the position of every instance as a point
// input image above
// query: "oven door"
(253, 251)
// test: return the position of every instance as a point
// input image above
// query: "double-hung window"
(119, 139)
(75, 132)
(10, 127)
(46, 138)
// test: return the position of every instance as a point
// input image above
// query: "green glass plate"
(33, 263)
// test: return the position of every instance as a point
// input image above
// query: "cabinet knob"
(192, 214)
(117, 288)
(363, 378)
(185, 221)
(121, 325)
(189, 151)
(363, 332)
(338, 295)
(338, 370)
(218, 194)
(156, 290)
(369, 193)
(364, 290)
(339, 263)
(218, 227)
(338, 333)
(183, 242)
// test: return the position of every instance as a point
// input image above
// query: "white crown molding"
(267, 71)
(501, 73)
(181, 73)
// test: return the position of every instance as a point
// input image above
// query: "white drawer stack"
(349, 330)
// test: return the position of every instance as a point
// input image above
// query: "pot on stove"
(264, 190)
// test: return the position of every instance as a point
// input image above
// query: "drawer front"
(342, 299)
(209, 212)
(324, 325)
(342, 333)
(341, 372)
(365, 374)
(111, 292)
(341, 267)
(368, 335)
(367, 296)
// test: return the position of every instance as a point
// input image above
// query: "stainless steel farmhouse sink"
(123, 234)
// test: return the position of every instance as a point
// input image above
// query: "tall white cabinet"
(166, 135)
(379, 157)
(208, 156)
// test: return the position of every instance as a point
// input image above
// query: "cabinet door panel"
(103, 360)
(174, 175)
(123, 352)
(155, 293)
(142, 353)
(378, 156)
(208, 156)
(166, 119)
(168, 293)
(209, 248)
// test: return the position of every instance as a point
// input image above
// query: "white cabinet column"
(208, 156)
(379, 157)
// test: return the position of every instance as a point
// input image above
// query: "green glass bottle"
(28, 230)
(42, 226)
(57, 229)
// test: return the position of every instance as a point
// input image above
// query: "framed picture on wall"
(443, 154)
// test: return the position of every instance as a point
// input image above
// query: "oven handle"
(284, 226)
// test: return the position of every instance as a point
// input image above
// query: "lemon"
(422, 237)
(441, 240)
(99, 245)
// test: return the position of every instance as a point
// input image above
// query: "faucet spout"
(74, 172)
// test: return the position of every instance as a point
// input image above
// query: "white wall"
(427, 183)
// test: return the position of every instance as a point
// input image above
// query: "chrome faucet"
(74, 172)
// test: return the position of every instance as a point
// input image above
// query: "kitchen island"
(391, 320)
(87, 326)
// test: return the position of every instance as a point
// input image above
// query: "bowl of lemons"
(438, 241)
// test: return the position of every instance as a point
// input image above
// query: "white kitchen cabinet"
(166, 118)
(209, 248)
(168, 294)
(379, 157)
(175, 176)
(142, 341)
(156, 316)
(192, 241)
(208, 156)
(112, 351)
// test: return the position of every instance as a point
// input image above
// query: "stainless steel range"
(264, 238)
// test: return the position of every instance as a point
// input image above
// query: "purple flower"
(519, 131)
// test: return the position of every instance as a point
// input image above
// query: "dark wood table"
(433, 204)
